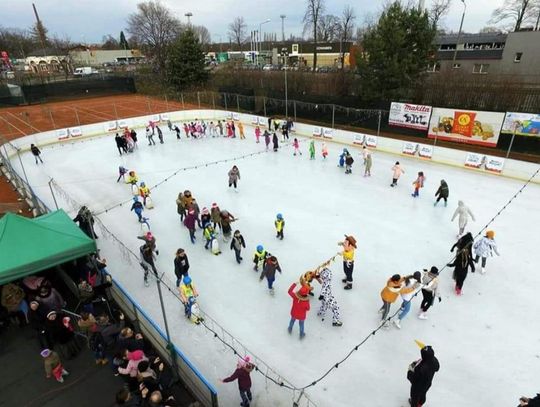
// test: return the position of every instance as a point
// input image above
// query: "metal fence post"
(52, 120)
(294, 104)
(264, 105)
(379, 124)
(52, 193)
(199, 99)
(237, 102)
(225, 99)
(182, 97)
(333, 114)
(511, 142)
(77, 116)
(213, 102)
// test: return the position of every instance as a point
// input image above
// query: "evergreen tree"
(185, 62)
(396, 52)
(123, 42)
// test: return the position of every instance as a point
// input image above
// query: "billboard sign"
(409, 115)
(524, 124)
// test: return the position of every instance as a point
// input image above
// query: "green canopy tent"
(31, 245)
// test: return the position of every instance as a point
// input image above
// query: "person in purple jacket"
(242, 374)
(189, 222)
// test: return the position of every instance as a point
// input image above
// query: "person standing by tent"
(421, 373)
(86, 222)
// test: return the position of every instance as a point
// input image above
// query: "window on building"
(456, 66)
(480, 68)
(434, 67)
(518, 56)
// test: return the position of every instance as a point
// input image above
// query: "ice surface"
(487, 341)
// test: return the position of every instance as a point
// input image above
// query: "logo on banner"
(328, 133)
(463, 123)
(371, 141)
(62, 134)
(409, 115)
(359, 139)
(317, 132)
(75, 132)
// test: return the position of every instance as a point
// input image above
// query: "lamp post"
(282, 16)
(459, 33)
(285, 55)
(260, 36)
(189, 14)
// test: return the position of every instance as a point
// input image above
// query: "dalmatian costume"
(327, 298)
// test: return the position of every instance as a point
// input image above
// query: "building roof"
(474, 38)
(48, 52)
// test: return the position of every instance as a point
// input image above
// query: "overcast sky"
(90, 20)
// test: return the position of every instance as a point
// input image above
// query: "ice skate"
(337, 323)
(396, 323)
(348, 287)
(344, 280)
(146, 283)
(483, 270)
(302, 336)
(422, 315)
(271, 291)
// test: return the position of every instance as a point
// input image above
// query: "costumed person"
(418, 183)
(271, 265)
(257, 134)
(430, 290)
(279, 223)
(266, 139)
(210, 237)
(243, 369)
(421, 373)
(53, 365)
(188, 295)
(312, 150)
(464, 212)
(410, 287)
(397, 171)
(215, 215)
(189, 222)
(389, 295)
(342, 156)
(144, 192)
(180, 208)
(306, 280)
(349, 160)
(324, 150)
(485, 247)
(299, 309)
(122, 171)
(132, 178)
(147, 261)
(275, 142)
(181, 266)
(138, 208)
(349, 244)
(234, 177)
(296, 146)
(241, 130)
(226, 219)
(463, 260)
(86, 222)
(187, 199)
(260, 257)
(368, 162)
(442, 193)
(327, 298)
(237, 243)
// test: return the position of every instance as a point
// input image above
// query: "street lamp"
(459, 33)
(285, 55)
(282, 16)
(189, 14)
(260, 35)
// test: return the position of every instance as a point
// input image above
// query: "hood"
(460, 203)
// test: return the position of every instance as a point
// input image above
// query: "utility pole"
(282, 16)
(40, 30)
(189, 14)
(459, 33)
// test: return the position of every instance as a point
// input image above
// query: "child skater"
(279, 223)
(442, 193)
(257, 134)
(137, 207)
(389, 295)
(132, 178)
(312, 150)
(237, 243)
(144, 192)
(324, 150)
(243, 369)
(269, 271)
(266, 139)
(296, 146)
(189, 222)
(260, 257)
(418, 183)
(299, 309)
(122, 171)
(396, 173)
(210, 236)
(484, 248)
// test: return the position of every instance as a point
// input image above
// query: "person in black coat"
(181, 266)
(420, 374)
(530, 402)
(119, 143)
(275, 141)
(463, 260)
(36, 319)
(86, 222)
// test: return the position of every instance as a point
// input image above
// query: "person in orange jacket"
(390, 294)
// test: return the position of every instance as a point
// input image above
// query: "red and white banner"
(413, 149)
(328, 133)
(371, 141)
(359, 139)
(494, 164)
(487, 162)
(425, 151)
(110, 126)
(164, 117)
(317, 132)
(75, 132)
(409, 148)
(466, 126)
(409, 115)
(474, 160)
(62, 134)
(124, 123)
(236, 117)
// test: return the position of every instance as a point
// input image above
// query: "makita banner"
(409, 115)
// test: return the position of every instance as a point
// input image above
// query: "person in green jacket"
(312, 150)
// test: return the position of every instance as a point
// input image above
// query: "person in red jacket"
(243, 369)
(300, 307)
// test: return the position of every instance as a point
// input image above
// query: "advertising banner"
(75, 132)
(110, 126)
(255, 120)
(474, 160)
(263, 121)
(486, 162)
(359, 139)
(317, 132)
(524, 124)
(409, 115)
(62, 134)
(494, 164)
(164, 117)
(236, 117)
(229, 115)
(413, 149)
(425, 151)
(409, 148)
(122, 124)
(371, 141)
(328, 133)
(470, 127)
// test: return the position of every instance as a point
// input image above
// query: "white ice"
(487, 341)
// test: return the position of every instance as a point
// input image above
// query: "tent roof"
(31, 245)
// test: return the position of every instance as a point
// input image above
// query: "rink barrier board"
(514, 169)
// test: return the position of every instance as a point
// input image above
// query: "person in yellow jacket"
(132, 178)
(280, 225)
(144, 192)
(349, 245)
(260, 257)
(188, 294)
(390, 294)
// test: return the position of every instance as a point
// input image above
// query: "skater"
(327, 298)
(312, 150)
(349, 245)
(244, 381)
(260, 257)
(275, 142)
(169, 125)
(132, 178)
(36, 152)
(464, 212)
(177, 131)
(150, 240)
(324, 150)
(189, 222)
(150, 136)
(279, 223)
(195, 206)
(228, 126)
(299, 309)
(349, 160)
(342, 156)
(144, 192)
(269, 271)
(86, 222)
(430, 290)
(147, 262)
(237, 243)
(410, 287)
(257, 134)
(233, 128)
(462, 261)
(133, 135)
(220, 127)
(186, 129)
(367, 162)
(234, 177)
(53, 365)
(484, 248)
(215, 215)
(418, 183)
(159, 134)
(209, 236)
(420, 374)
(188, 293)
(397, 171)
(389, 295)
(180, 208)
(181, 266)
(226, 219)
(530, 402)
(296, 146)
(206, 219)
(285, 131)
(266, 139)
(152, 125)
(138, 208)
(442, 193)
(119, 143)
(241, 130)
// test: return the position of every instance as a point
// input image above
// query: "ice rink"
(487, 341)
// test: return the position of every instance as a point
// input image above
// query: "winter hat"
(417, 275)
(490, 234)
(34, 302)
(205, 211)
(143, 184)
(243, 362)
(427, 353)
(303, 291)
(51, 314)
(434, 270)
(396, 277)
(45, 353)
(260, 248)
(351, 240)
(187, 280)
(135, 355)
(135, 199)
(149, 235)
(279, 216)
(214, 205)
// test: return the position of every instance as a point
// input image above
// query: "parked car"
(267, 67)
(84, 71)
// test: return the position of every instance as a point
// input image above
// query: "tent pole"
(166, 324)
(54, 197)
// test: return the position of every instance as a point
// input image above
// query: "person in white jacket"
(464, 212)
(484, 248)
(411, 287)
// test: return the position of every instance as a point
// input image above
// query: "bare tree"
(109, 42)
(314, 11)
(345, 29)
(202, 33)
(439, 9)
(154, 27)
(516, 12)
(328, 29)
(237, 31)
